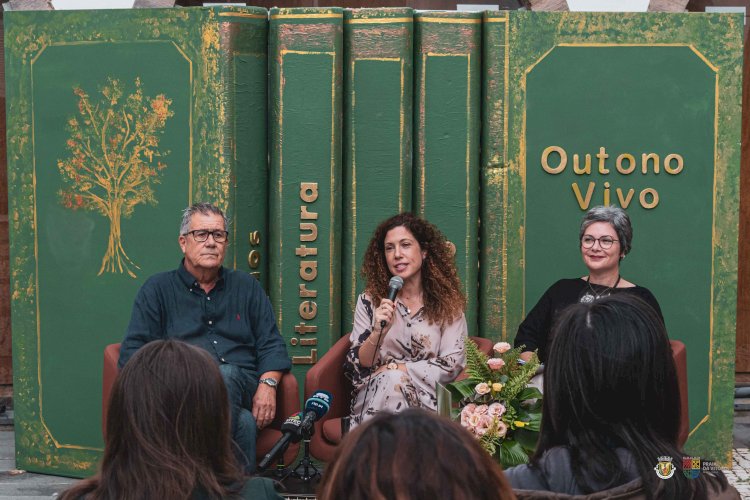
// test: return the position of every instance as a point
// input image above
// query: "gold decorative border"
(714, 243)
(36, 225)
(379, 20)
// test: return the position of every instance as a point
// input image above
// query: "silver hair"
(202, 208)
(615, 216)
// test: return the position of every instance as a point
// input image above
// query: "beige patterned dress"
(432, 353)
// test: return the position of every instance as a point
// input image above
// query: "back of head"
(610, 382)
(168, 428)
(412, 455)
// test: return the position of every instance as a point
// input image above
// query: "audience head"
(610, 368)
(412, 455)
(168, 428)
(441, 287)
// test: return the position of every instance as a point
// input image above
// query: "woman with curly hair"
(401, 348)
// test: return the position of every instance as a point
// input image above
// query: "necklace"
(591, 294)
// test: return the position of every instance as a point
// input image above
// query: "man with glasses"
(225, 312)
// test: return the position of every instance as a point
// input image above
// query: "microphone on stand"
(393, 287)
(290, 431)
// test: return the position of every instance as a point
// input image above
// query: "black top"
(535, 330)
(234, 321)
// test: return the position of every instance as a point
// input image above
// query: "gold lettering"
(583, 203)
(294, 341)
(644, 162)
(308, 269)
(563, 159)
(308, 342)
(631, 162)
(255, 238)
(306, 360)
(304, 214)
(308, 226)
(253, 259)
(304, 292)
(308, 191)
(304, 329)
(668, 164)
(587, 166)
(308, 310)
(654, 198)
(624, 202)
(602, 155)
(303, 251)
(606, 193)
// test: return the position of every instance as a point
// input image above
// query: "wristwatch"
(269, 381)
(392, 365)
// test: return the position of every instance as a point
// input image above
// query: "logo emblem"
(664, 468)
(691, 467)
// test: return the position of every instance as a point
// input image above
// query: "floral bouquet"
(496, 405)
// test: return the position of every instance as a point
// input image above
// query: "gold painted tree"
(114, 159)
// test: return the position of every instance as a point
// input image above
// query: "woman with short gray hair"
(605, 239)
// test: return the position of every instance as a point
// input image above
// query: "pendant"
(587, 298)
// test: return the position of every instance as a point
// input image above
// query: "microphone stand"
(308, 469)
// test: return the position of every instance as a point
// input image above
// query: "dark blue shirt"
(234, 321)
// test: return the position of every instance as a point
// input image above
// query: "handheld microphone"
(315, 407)
(393, 287)
(290, 430)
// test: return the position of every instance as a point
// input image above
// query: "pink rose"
(501, 347)
(473, 421)
(467, 412)
(481, 409)
(495, 363)
(484, 424)
(482, 388)
(496, 410)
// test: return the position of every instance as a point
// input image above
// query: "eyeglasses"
(201, 235)
(604, 241)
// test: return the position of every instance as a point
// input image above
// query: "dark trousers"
(241, 387)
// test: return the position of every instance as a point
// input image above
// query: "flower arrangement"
(496, 405)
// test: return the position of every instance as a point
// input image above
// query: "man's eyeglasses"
(605, 241)
(201, 235)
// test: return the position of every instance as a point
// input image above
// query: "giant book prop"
(377, 172)
(636, 110)
(117, 120)
(306, 52)
(447, 115)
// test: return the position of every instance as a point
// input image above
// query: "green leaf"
(529, 393)
(527, 439)
(512, 453)
(462, 389)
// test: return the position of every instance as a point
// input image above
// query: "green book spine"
(493, 269)
(447, 118)
(117, 120)
(305, 197)
(377, 175)
(245, 67)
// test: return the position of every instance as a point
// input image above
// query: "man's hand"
(264, 405)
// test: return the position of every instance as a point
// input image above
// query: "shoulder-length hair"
(610, 382)
(168, 432)
(443, 299)
(412, 455)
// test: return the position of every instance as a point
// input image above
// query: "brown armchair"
(287, 403)
(679, 354)
(328, 374)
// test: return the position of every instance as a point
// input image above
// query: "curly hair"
(444, 301)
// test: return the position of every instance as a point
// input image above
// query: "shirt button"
(210, 322)
(223, 360)
(408, 324)
(208, 298)
(216, 342)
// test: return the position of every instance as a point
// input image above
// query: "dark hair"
(610, 382)
(412, 455)
(200, 208)
(444, 302)
(168, 432)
